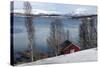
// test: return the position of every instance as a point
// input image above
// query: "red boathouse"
(67, 47)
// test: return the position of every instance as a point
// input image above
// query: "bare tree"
(93, 31)
(30, 29)
(88, 32)
(56, 36)
(67, 35)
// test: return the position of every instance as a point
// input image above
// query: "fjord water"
(42, 31)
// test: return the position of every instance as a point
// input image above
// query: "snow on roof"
(81, 56)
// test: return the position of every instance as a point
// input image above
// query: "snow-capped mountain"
(76, 13)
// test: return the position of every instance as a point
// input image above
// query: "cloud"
(80, 11)
(37, 11)
(86, 11)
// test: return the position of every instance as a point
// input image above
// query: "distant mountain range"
(54, 15)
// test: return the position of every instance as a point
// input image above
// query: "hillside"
(81, 56)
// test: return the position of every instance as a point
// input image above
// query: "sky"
(40, 7)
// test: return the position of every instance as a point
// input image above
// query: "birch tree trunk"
(56, 36)
(30, 29)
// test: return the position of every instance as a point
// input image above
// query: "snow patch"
(81, 56)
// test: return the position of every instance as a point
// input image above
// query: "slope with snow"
(81, 56)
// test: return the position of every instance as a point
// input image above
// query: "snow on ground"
(81, 56)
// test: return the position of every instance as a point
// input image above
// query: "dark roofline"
(70, 45)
